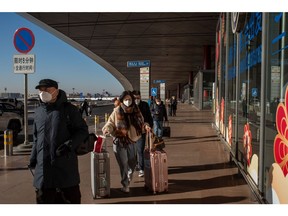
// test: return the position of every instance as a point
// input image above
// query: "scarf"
(127, 117)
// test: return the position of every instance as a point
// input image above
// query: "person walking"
(168, 105)
(56, 175)
(159, 114)
(173, 105)
(145, 111)
(126, 125)
(84, 107)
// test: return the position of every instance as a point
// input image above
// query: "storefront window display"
(231, 94)
(222, 69)
(250, 88)
(276, 139)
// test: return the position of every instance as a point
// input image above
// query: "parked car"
(13, 101)
(11, 118)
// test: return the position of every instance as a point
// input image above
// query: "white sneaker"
(141, 173)
(125, 189)
(130, 175)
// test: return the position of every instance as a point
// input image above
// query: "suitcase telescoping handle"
(149, 140)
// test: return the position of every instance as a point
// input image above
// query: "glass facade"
(251, 112)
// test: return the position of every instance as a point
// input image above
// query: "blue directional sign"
(24, 40)
(142, 63)
(254, 92)
(153, 92)
(158, 81)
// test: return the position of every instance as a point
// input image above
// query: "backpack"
(88, 143)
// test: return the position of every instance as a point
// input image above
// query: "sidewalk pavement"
(198, 165)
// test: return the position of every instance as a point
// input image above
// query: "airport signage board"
(144, 83)
(154, 92)
(24, 64)
(254, 92)
(158, 81)
(162, 91)
(24, 40)
(142, 63)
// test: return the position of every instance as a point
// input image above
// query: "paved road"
(100, 111)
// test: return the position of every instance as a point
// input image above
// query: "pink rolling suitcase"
(155, 168)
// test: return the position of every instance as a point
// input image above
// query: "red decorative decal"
(247, 142)
(281, 139)
(222, 110)
(230, 130)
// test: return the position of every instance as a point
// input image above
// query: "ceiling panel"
(173, 42)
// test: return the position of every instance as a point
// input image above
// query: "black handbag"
(158, 144)
(166, 129)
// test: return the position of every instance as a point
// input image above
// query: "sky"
(54, 59)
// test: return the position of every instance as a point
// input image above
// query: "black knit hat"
(47, 83)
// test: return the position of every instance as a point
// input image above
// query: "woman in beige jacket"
(126, 125)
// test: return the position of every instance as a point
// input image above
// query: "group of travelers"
(53, 157)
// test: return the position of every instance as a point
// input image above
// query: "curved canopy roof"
(173, 42)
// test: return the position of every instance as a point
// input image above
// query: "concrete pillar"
(207, 57)
(178, 91)
(168, 94)
(190, 80)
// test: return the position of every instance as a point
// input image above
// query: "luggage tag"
(99, 144)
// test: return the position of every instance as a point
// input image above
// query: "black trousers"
(70, 195)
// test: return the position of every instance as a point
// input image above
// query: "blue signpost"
(24, 40)
(154, 92)
(254, 92)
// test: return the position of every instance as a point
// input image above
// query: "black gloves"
(63, 149)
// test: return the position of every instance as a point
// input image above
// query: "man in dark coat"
(56, 176)
(159, 114)
(84, 107)
(145, 111)
(173, 105)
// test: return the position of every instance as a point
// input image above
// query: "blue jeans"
(158, 128)
(140, 150)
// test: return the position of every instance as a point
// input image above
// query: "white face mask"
(127, 102)
(45, 96)
(137, 101)
(158, 103)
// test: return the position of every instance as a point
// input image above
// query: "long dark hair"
(134, 116)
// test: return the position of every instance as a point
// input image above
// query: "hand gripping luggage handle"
(104, 139)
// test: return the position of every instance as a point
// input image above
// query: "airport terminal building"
(251, 98)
